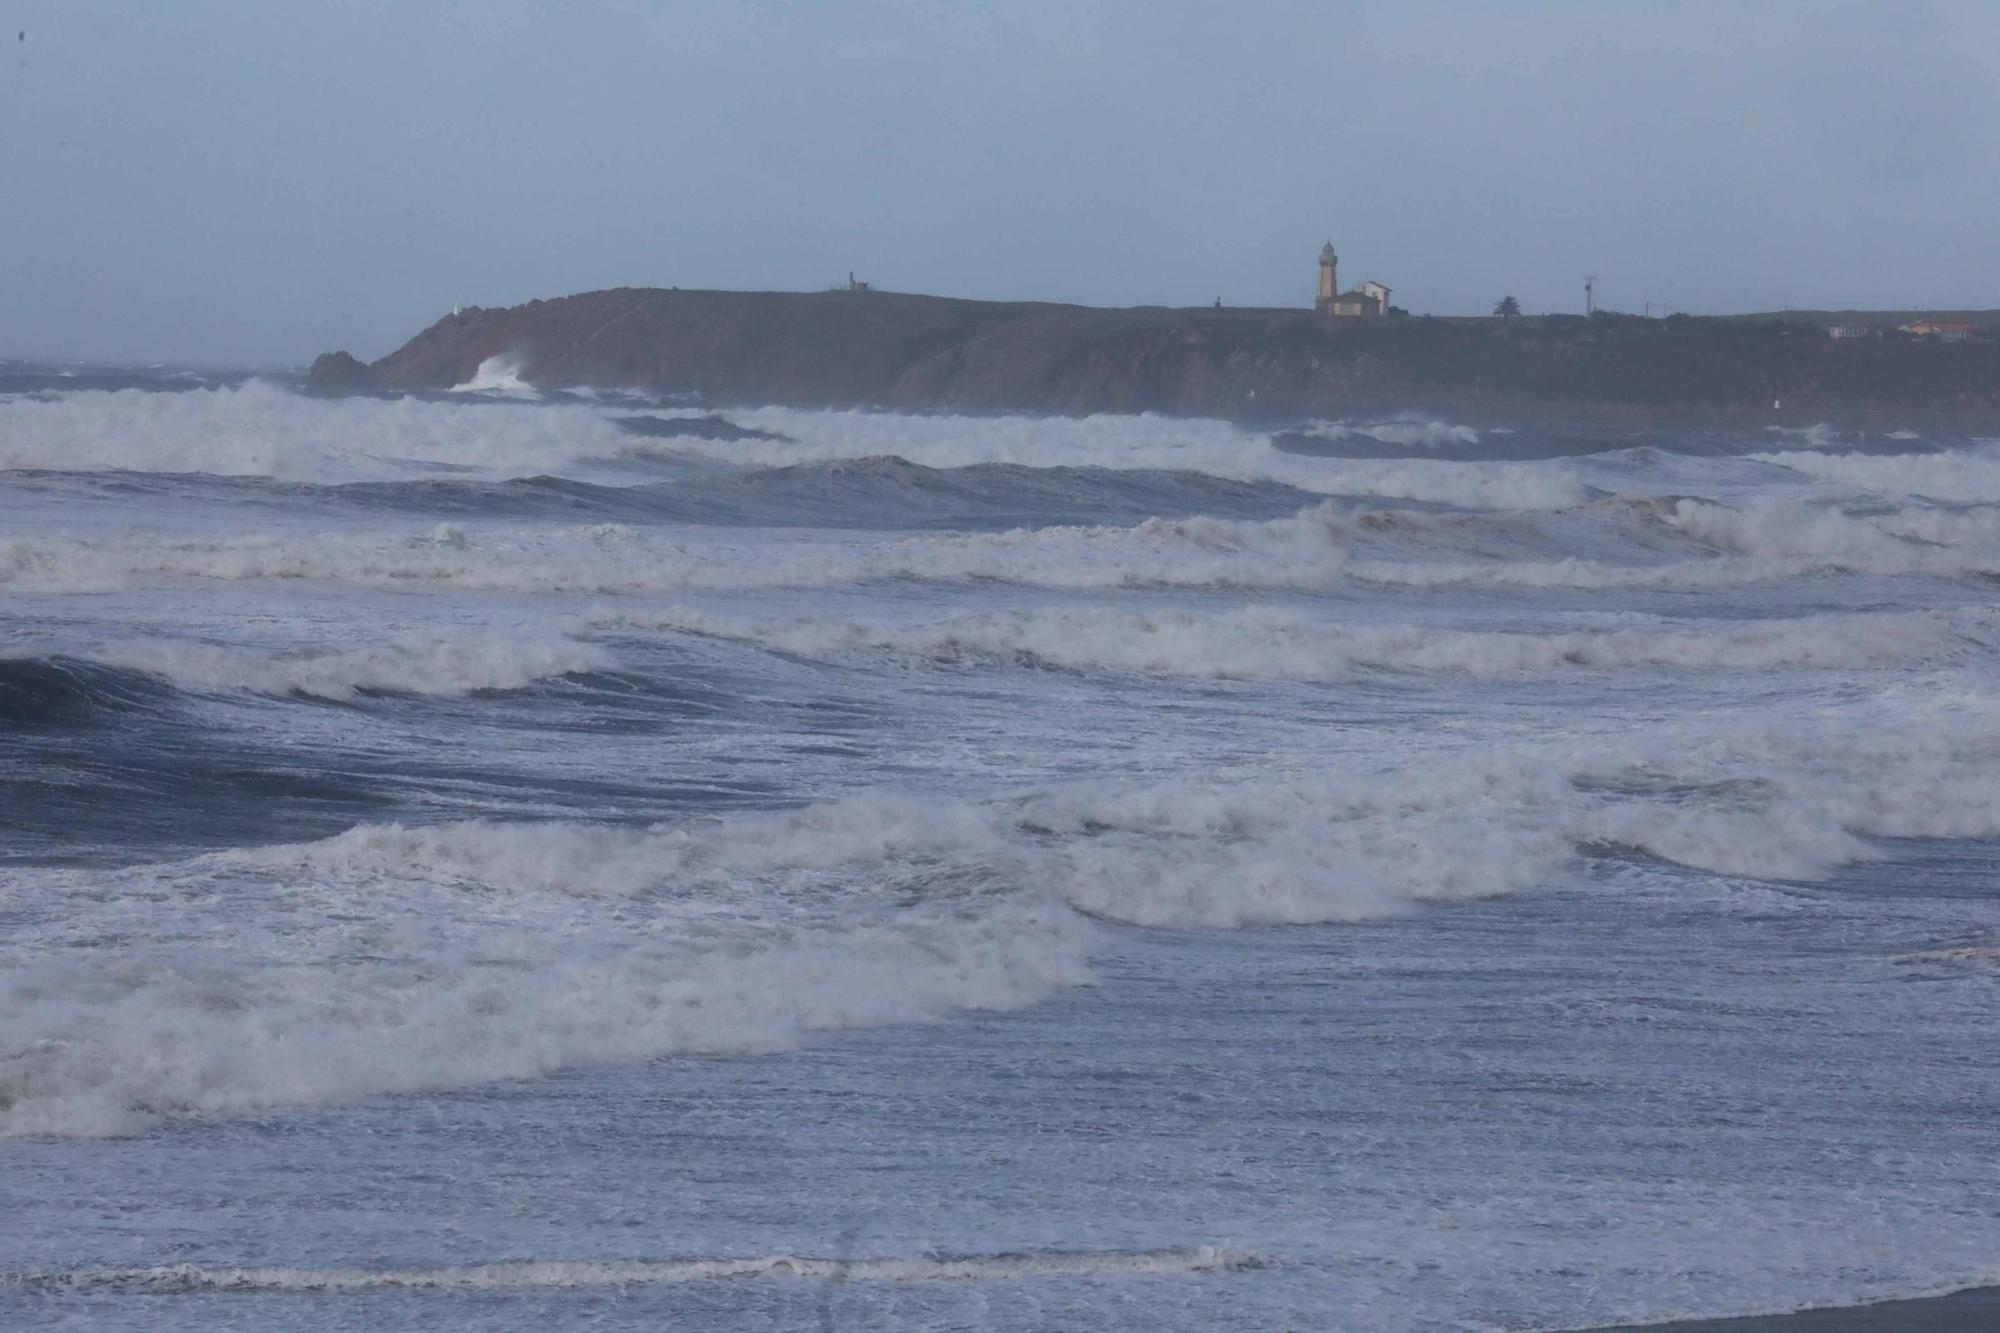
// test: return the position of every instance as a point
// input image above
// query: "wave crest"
(395, 959)
(261, 429)
(60, 692)
(438, 664)
(496, 374)
(1666, 542)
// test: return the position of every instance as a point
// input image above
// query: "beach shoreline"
(1971, 1310)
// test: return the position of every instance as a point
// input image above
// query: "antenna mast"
(1590, 295)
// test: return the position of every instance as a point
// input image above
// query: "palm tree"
(1507, 309)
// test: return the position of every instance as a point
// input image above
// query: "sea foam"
(395, 958)
(1150, 443)
(569, 1273)
(261, 429)
(1663, 542)
(1971, 474)
(456, 663)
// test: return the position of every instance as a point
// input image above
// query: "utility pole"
(1590, 296)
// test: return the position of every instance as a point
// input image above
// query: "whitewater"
(504, 860)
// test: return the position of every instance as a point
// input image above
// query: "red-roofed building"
(1944, 330)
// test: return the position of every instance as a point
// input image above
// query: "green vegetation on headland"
(926, 353)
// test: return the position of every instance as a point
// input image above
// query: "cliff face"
(883, 349)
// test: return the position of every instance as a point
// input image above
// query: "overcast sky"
(252, 182)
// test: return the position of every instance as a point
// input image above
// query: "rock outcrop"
(338, 370)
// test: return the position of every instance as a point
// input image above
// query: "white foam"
(1213, 448)
(453, 663)
(1960, 475)
(1650, 543)
(260, 429)
(1407, 433)
(385, 987)
(1819, 435)
(496, 374)
(869, 831)
(628, 1272)
(1788, 528)
(393, 959)
(1633, 544)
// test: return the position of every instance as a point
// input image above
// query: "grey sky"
(257, 182)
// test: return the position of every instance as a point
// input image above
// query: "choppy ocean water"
(485, 862)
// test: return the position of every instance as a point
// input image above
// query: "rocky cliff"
(885, 349)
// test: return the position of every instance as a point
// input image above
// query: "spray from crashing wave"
(497, 375)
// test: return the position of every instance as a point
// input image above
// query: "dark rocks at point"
(337, 371)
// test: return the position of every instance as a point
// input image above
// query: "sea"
(508, 860)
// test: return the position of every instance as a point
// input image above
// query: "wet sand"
(1975, 1310)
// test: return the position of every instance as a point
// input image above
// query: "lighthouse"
(1365, 301)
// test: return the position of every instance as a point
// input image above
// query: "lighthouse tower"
(1329, 263)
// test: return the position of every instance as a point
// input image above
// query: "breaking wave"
(260, 429)
(465, 662)
(1141, 443)
(263, 430)
(1414, 434)
(496, 374)
(1957, 476)
(60, 692)
(881, 494)
(378, 997)
(393, 958)
(1666, 543)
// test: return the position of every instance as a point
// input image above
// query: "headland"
(863, 348)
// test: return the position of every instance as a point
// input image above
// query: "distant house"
(1944, 330)
(1351, 305)
(1849, 331)
(1365, 301)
